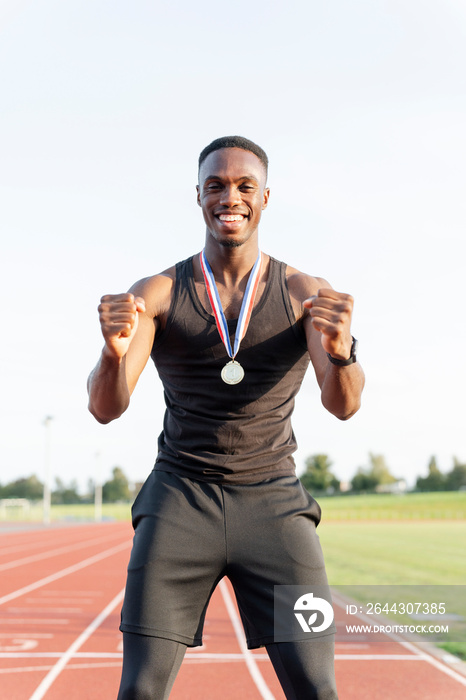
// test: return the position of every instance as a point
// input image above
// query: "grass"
(402, 559)
(446, 505)
(455, 648)
(382, 553)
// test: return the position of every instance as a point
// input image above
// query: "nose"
(230, 196)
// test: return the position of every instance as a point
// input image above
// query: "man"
(231, 332)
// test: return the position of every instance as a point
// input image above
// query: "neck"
(229, 265)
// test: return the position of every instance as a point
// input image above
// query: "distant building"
(398, 486)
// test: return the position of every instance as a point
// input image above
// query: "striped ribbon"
(246, 306)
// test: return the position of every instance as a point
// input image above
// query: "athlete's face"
(232, 193)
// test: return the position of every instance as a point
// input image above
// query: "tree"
(456, 479)
(379, 470)
(65, 494)
(363, 481)
(89, 494)
(28, 487)
(117, 489)
(434, 481)
(318, 476)
(369, 478)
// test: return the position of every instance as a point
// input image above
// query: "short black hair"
(235, 142)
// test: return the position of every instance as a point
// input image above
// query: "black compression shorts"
(190, 534)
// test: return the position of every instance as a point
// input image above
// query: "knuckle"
(112, 298)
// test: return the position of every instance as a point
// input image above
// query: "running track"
(61, 590)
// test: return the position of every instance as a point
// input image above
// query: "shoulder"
(157, 291)
(302, 286)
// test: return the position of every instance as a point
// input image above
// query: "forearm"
(341, 389)
(108, 390)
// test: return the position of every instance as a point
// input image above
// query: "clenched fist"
(118, 314)
(331, 313)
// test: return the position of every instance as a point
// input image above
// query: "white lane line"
(42, 544)
(212, 655)
(33, 621)
(248, 656)
(55, 552)
(377, 657)
(71, 594)
(30, 669)
(51, 609)
(434, 662)
(83, 637)
(107, 664)
(64, 572)
(63, 601)
(48, 537)
(19, 548)
(116, 655)
(28, 635)
(58, 655)
(421, 655)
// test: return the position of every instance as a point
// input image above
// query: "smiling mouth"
(230, 217)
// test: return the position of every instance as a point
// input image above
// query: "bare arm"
(327, 322)
(128, 323)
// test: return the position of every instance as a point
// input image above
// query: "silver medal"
(232, 373)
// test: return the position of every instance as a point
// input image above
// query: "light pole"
(47, 490)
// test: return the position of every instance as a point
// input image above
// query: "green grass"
(405, 558)
(411, 506)
(382, 553)
(456, 648)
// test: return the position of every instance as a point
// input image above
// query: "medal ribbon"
(246, 306)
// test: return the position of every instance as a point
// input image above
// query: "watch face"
(354, 347)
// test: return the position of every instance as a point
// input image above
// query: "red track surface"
(60, 599)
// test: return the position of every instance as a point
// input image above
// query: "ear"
(198, 195)
(265, 198)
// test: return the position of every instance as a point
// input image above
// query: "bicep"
(157, 293)
(302, 287)
(139, 350)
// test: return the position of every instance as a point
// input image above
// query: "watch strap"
(349, 361)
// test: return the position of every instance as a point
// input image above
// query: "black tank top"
(230, 433)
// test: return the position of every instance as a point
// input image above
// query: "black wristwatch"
(351, 358)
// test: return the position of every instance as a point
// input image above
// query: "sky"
(361, 108)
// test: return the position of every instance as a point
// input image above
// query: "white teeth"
(230, 217)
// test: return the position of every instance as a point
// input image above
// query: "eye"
(246, 188)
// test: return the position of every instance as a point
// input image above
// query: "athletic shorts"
(190, 534)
